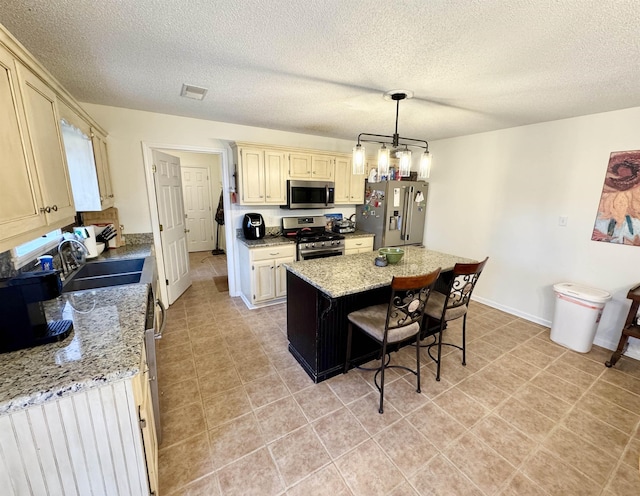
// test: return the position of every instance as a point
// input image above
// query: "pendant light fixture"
(397, 142)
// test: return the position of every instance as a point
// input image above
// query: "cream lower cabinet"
(349, 187)
(358, 245)
(99, 442)
(263, 275)
(262, 175)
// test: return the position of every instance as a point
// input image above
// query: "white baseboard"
(632, 351)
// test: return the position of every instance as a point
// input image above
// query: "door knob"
(186, 231)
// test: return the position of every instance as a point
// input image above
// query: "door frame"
(147, 159)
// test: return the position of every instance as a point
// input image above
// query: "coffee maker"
(23, 323)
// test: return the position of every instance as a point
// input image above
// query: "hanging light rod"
(396, 141)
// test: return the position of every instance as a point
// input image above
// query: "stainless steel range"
(312, 238)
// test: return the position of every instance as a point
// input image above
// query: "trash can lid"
(583, 292)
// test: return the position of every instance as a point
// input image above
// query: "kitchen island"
(321, 293)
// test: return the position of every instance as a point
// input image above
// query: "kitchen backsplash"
(6, 264)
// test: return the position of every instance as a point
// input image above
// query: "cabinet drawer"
(359, 243)
(272, 252)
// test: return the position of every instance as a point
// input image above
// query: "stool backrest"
(409, 297)
(465, 277)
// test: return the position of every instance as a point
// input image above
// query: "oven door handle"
(163, 322)
(326, 195)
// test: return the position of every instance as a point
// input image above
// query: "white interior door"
(173, 232)
(197, 205)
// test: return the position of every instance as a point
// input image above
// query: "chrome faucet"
(76, 246)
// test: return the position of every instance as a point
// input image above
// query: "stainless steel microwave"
(310, 194)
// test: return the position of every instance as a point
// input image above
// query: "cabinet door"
(48, 152)
(275, 177)
(322, 167)
(252, 175)
(342, 180)
(281, 276)
(300, 165)
(146, 422)
(19, 203)
(356, 188)
(263, 280)
(102, 168)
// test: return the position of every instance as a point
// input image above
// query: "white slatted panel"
(115, 439)
(128, 418)
(102, 435)
(42, 441)
(89, 443)
(76, 446)
(60, 448)
(12, 467)
(28, 452)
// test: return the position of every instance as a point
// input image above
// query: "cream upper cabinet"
(20, 200)
(101, 157)
(262, 176)
(87, 160)
(46, 145)
(300, 166)
(311, 166)
(349, 187)
(322, 167)
(275, 177)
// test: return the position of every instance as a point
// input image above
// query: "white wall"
(500, 194)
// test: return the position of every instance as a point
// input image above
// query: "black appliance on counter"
(253, 226)
(23, 323)
(312, 238)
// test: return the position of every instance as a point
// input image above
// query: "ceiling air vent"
(194, 92)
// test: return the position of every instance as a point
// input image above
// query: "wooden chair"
(451, 306)
(399, 320)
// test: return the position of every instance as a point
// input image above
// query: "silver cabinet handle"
(163, 322)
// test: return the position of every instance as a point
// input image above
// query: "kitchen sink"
(110, 267)
(109, 273)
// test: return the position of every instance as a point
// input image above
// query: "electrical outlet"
(562, 221)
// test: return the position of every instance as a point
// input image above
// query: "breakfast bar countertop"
(351, 274)
(104, 346)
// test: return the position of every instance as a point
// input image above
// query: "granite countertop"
(104, 346)
(350, 274)
(268, 240)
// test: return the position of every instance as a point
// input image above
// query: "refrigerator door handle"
(405, 213)
(409, 214)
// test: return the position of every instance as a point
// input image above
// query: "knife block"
(107, 216)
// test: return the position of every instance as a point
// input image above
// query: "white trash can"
(577, 313)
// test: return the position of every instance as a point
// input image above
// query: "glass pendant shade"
(425, 166)
(359, 157)
(383, 161)
(405, 163)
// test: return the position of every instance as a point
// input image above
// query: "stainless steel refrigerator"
(394, 211)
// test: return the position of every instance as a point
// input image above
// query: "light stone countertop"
(268, 240)
(105, 345)
(350, 274)
(127, 251)
(359, 234)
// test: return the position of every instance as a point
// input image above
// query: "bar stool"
(399, 320)
(451, 306)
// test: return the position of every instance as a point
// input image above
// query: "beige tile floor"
(524, 417)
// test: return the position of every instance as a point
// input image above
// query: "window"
(26, 252)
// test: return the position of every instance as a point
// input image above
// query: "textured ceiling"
(320, 67)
